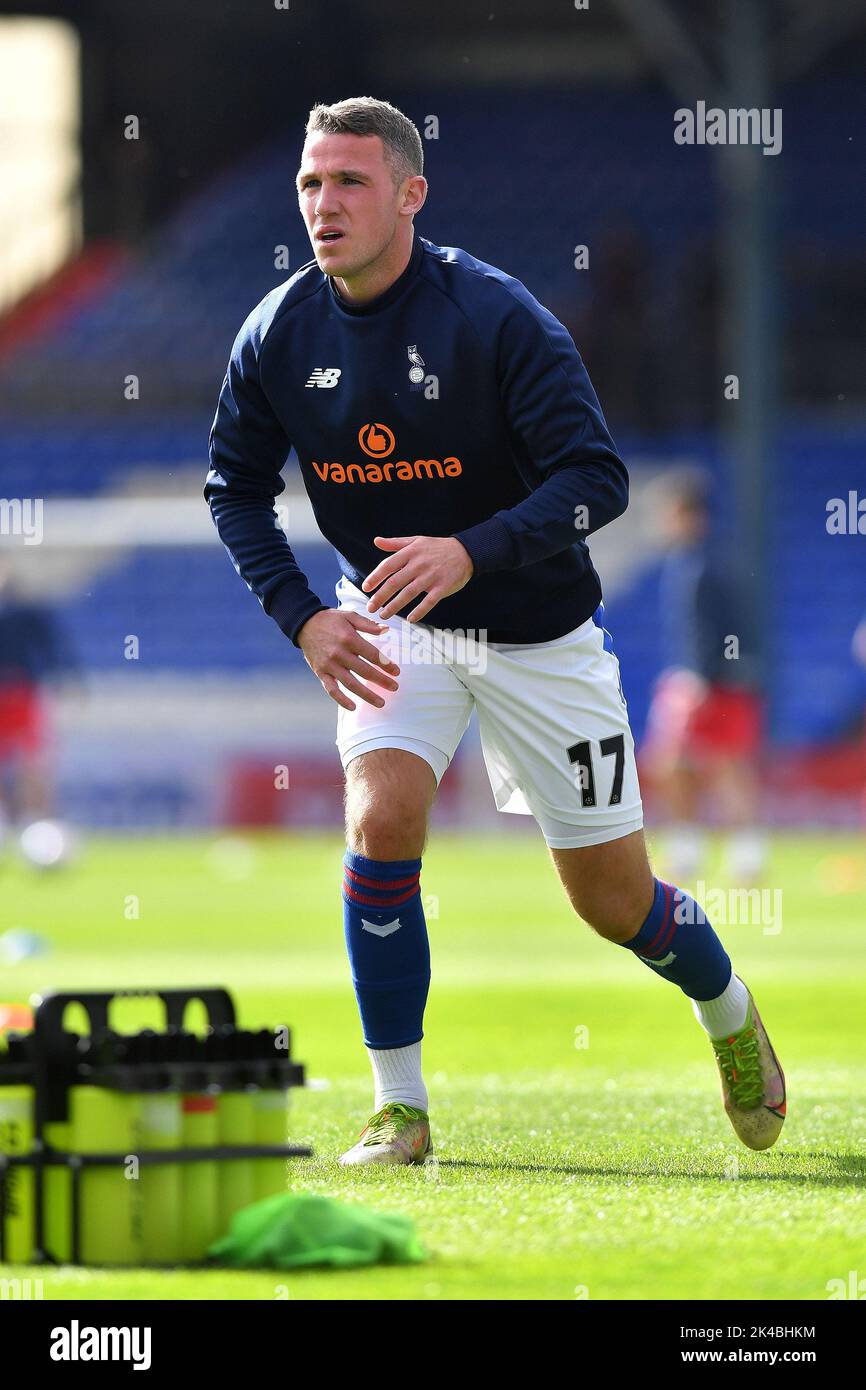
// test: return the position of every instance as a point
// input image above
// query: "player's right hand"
(337, 653)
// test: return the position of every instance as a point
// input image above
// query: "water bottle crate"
(137, 1148)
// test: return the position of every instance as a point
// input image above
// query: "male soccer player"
(456, 457)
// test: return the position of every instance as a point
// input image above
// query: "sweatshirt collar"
(372, 306)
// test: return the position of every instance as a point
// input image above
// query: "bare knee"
(385, 832)
(610, 886)
(388, 796)
(617, 915)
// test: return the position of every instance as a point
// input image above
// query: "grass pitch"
(582, 1151)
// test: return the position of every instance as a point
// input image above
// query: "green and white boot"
(753, 1083)
(395, 1134)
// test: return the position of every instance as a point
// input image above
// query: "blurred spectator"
(704, 727)
(33, 653)
(858, 648)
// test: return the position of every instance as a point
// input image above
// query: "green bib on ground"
(294, 1230)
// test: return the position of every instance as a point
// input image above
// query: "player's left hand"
(432, 565)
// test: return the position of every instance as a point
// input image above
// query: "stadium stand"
(582, 169)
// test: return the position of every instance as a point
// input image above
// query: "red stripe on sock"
(672, 893)
(661, 940)
(377, 902)
(384, 884)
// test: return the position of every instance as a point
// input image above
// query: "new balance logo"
(382, 928)
(324, 376)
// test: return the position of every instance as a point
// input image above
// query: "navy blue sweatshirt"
(454, 404)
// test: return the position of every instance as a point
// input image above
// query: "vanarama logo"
(377, 441)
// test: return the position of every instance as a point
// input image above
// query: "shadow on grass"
(850, 1170)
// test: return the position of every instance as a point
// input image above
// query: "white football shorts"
(553, 721)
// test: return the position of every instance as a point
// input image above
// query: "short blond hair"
(367, 116)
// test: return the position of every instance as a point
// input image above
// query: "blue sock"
(386, 938)
(678, 943)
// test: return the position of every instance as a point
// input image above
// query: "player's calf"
(610, 886)
(387, 797)
(673, 937)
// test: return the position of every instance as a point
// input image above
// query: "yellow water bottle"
(111, 1200)
(270, 1175)
(16, 1139)
(199, 1216)
(237, 1124)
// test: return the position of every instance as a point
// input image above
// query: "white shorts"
(553, 722)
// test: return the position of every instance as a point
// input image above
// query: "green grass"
(609, 1168)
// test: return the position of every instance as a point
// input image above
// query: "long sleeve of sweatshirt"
(555, 420)
(248, 448)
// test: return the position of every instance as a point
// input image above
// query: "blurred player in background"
(858, 649)
(34, 652)
(703, 745)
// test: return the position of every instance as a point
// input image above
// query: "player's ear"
(414, 195)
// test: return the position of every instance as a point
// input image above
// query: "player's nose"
(326, 203)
